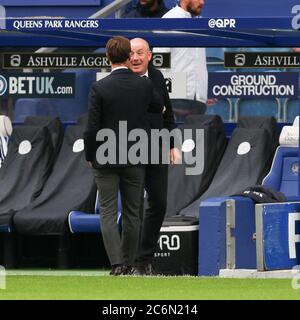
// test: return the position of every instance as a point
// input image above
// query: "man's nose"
(135, 56)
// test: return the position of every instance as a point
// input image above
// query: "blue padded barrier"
(82, 222)
(278, 235)
(5, 229)
(212, 237)
(226, 235)
(227, 225)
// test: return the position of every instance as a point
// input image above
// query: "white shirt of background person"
(191, 61)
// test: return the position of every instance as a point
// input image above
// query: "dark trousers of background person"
(156, 184)
(121, 249)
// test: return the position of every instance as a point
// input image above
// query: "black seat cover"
(184, 189)
(70, 187)
(25, 169)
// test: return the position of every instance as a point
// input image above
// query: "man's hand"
(175, 156)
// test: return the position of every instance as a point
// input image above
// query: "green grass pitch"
(56, 285)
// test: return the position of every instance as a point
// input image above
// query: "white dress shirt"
(191, 61)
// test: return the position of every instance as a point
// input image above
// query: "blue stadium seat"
(223, 108)
(266, 49)
(215, 59)
(291, 109)
(65, 109)
(31, 107)
(258, 107)
(283, 175)
(215, 54)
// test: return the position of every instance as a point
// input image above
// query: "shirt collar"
(118, 68)
(146, 74)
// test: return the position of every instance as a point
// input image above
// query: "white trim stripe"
(179, 228)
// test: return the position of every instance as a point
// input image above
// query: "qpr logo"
(171, 243)
(3, 85)
(221, 23)
(15, 60)
(240, 59)
(295, 168)
(296, 18)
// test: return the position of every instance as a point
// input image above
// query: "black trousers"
(156, 183)
(121, 249)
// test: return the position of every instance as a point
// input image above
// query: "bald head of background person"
(141, 55)
(140, 58)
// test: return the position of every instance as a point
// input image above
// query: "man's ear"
(149, 55)
(128, 63)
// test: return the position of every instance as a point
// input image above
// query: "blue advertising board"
(278, 235)
(253, 84)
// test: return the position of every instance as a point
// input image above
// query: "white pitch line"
(254, 274)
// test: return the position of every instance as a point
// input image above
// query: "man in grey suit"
(121, 96)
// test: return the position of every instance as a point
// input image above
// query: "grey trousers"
(120, 248)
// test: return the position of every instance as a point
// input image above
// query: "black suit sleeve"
(156, 103)
(93, 126)
(159, 83)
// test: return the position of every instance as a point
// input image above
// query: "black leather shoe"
(139, 271)
(126, 270)
(149, 270)
(116, 270)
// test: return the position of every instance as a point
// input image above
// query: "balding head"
(140, 42)
(141, 55)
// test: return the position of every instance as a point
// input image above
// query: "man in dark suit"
(156, 177)
(121, 96)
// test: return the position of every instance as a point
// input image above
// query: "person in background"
(156, 176)
(121, 96)
(191, 61)
(147, 9)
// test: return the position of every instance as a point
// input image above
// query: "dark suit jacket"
(166, 119)
(121, 96)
